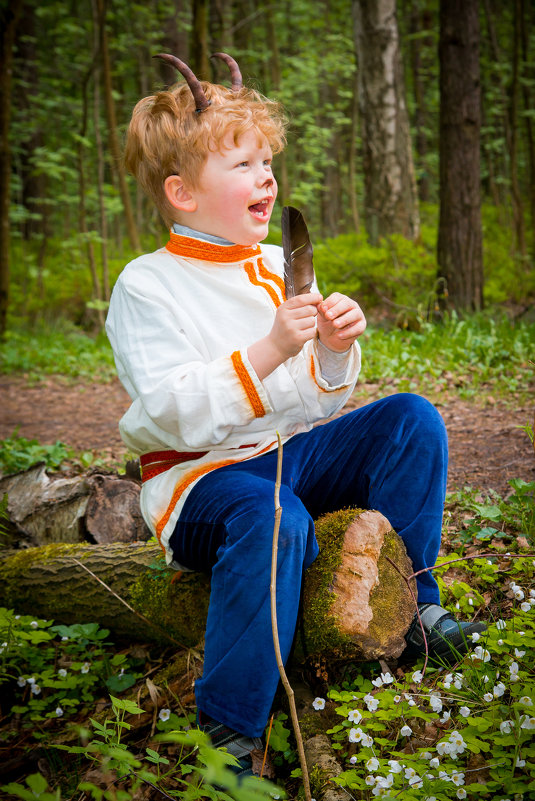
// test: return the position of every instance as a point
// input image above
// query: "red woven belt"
(156, 462)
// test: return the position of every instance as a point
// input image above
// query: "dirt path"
(487, 447)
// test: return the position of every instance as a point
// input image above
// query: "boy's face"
(236, 191)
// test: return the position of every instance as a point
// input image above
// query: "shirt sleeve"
(179, 394)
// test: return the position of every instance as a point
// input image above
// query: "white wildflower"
(397, 699)
(354, 716)
(21, 681)
(519, 654)
(417, 676)
(435, 703)
(444, 747)
(499, 642)
(371, 702)
(395, 767)
(498, 689)
(525, 700)
(36, 689)
(525, 606)
(355, 735)
(520, 763)
(59, 711)
(367, 741)
(475, 636)
(501, 624)
(457, 778)
(318, 703)
(369, 780)
(518, 594)
(30, 680)
(526, 722)
(480, 653)
(62, 672)
(488, 697)
(164, 714)
(372, 764)
(506, 726)
(34, 624)
(445, 717)
(464, 711)
(458, 680)
(85, 667)
(353, 760)
(461, 792)
(434, 763)
(405, 731)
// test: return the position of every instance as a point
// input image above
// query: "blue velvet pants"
(390, 455)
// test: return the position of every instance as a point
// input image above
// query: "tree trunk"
(528, 105)
(518, 206)
(420, 21)
(356, 605)
(113, 139)
(459, 249)
(9, 18)
(391, 204)
(200, 50)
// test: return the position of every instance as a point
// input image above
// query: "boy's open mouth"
(260, 210)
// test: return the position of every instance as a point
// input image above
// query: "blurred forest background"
(411, 149)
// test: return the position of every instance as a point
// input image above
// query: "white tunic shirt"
(180, 322)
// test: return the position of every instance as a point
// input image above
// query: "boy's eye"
(243, 164)
(267, 162)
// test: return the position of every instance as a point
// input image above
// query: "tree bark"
(356, 604)
(113, 139)
(459, 249)
(391, 204)
(9, 19)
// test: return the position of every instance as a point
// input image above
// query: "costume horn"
(201, 101)
(235, 74)
(297, 249)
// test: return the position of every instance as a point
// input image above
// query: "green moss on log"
(161, 595)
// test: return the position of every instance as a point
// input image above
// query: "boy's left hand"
(340, 321)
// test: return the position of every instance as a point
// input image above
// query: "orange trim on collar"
(208, 251)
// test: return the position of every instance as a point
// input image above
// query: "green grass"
(468, 355)
(62, 350)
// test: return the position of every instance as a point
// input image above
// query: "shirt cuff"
(333, 364)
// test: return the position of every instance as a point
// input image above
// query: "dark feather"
(297, 248)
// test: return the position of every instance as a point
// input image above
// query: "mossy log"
(356, 605)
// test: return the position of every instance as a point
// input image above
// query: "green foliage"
(19, 453)
(63, 350)
(49, 671)
(469, 355)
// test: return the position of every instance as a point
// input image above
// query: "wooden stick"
(275, 629)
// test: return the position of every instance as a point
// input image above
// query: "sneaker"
(249, 751)
(447, 638)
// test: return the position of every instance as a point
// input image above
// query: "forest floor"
(487, 444)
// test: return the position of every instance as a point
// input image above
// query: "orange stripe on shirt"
(248, 385)
(209, 251)
(263, 272)
(251, 275)
(187, 480)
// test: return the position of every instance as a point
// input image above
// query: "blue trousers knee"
(390, 455)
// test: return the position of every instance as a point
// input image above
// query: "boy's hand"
(340, 322)
(295, 324)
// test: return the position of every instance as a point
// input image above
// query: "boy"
(216, 361)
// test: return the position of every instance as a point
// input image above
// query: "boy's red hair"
(166, 137)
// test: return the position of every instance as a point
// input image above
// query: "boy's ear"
(178, 196)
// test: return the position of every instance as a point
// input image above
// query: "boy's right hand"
(295, 324)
